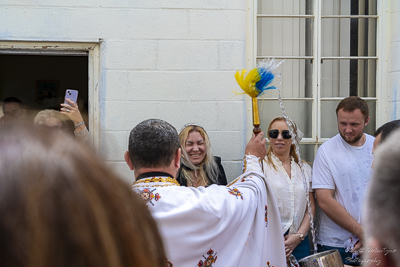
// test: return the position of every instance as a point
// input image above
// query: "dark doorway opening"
(40, 81)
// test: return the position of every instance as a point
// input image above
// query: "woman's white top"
(290, 193)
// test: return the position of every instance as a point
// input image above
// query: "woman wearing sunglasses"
(283, 171)
(199, 167)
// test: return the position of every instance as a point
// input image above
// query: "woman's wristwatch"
(301, 236)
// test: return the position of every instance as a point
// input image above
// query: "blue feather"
(266, 77)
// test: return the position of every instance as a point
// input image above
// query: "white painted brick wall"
(394, 61)
(173, 60)
(187, 55)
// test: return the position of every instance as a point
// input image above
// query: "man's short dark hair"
(153, 143)
(387, 128)
(12, 99)
(352, 103)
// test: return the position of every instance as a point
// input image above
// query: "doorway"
(38, 73)
(40, 81)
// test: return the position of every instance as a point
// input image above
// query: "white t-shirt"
(347, 170)
(289, 192)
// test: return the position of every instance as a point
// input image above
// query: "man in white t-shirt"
(341, 172)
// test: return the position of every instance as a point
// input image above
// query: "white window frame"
(91, 49)
(382, 115)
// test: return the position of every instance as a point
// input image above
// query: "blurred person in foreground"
(234, 225)
(381, 209)
(61, 206)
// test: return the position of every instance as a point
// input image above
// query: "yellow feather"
(248, 82)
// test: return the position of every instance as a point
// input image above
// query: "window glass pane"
(284, 37)
(307, 153)
(329, 121)
(349, 7)
(295, 80)
(341, 78)
(348, 37)
(298, 110)
(328, 118)
(371, 127)
(285, 7)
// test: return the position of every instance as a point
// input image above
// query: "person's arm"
(257, 146)
(324, 188)
(337, 213)
(293, 240)
(72, 111)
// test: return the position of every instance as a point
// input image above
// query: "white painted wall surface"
(394, 61)
(168, 59)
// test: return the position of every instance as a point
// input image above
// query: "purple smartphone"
(72, 95)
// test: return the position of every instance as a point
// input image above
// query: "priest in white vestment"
(234, 225)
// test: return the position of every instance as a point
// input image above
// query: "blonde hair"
(45, 114)
(208, 169)
(292, 147)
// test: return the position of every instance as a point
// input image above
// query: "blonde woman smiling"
(199, 167)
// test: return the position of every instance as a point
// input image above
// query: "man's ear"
(366, 121)
(177, 159)
(128, 160)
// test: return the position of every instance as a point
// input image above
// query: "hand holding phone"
(72, 95)
(71, 109)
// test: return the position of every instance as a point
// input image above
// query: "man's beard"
(352, 141)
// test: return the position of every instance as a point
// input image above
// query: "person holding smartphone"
(54, 120)
(71, 110)
(282, 168)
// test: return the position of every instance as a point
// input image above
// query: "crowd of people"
(68, 119)
(181, 210)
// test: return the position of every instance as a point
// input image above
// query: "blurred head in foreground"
(61, 206)
(381, 210)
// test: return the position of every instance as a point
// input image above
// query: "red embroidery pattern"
(292, 262)
(235, 192)
(266, 216)
(147, 195)
(211, 258)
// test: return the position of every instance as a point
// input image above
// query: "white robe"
(234, 225)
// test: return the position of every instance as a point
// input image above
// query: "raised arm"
(72, 111)
(257, 146)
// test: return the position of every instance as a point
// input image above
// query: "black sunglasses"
(275, 134)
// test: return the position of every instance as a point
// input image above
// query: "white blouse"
(289, 192)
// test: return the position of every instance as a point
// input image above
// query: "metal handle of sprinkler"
(256, 117)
